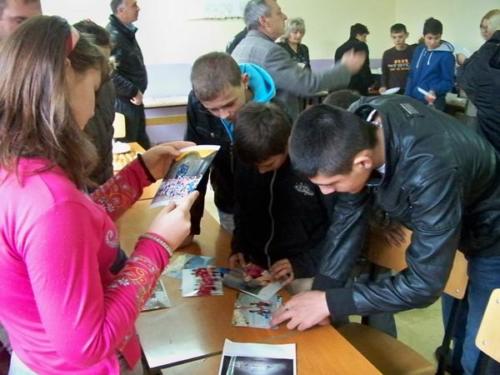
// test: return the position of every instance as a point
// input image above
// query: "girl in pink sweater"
(64, 311)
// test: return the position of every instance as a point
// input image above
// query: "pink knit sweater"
(65, 312)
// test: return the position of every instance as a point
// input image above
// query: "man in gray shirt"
(265, 22)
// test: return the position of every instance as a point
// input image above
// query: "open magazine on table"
(185, 174)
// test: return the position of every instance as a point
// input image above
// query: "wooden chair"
(389, 355)
(488, 335)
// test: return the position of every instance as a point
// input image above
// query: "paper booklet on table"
(252, 312)
(236, 279)
(159, 298)
(203, 281)
(246, 358)
(185, 174)
(186, 261)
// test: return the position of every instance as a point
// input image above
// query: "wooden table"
(188, 337)
(320, 351)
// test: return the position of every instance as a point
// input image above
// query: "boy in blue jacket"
(220, 89)
(432, 67)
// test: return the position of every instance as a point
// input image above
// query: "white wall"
(168, 36)
(166, 33)
(460, 18)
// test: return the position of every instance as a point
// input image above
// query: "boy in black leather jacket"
(428, 171)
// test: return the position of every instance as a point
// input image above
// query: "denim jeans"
(484, 276)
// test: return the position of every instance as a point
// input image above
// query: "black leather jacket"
(130, 74)
(442, 182)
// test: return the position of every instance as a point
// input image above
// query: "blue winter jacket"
(431, 70)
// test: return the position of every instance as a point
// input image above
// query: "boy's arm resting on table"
(63, 266)
(429, 257)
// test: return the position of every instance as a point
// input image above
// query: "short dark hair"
(261, 131)
(98, 34)
(358, 29)
(212, 73)
(398, 28)
(114, 5)
(325, 139)
(432, 26)
(342, 98)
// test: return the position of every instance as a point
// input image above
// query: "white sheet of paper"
(250, 355)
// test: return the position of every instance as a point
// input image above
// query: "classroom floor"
(421, 329)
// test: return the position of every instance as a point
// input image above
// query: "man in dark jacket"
(130, 76)
(362, 80)
(220, 89)
(429, 172)
(281, 218)
(480, 78)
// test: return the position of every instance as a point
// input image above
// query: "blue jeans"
(484, 276)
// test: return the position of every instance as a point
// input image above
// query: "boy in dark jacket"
(281, 218)
(220, 89)
(480, 79)
(429, 172)
(362, 80)
(432, 67)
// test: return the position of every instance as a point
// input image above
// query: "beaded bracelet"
(159, 240)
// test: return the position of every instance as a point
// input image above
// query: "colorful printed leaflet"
(183, 261)
(246, 358)
(204, 281)
(185, 174)
(159, 298)
(252, 312)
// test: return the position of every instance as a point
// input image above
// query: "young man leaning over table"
(411, 159)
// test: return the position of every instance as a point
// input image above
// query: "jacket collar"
(259, 34)
(128, 31)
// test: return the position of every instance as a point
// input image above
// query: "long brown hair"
(35, 117)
